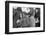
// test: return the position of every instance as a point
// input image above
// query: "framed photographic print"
(24, 17)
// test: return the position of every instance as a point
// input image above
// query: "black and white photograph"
(24, 17)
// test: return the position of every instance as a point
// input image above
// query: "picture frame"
(10, 6)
